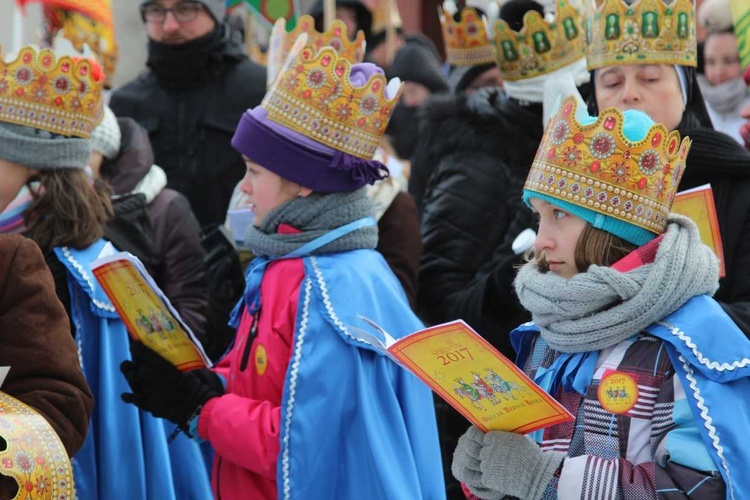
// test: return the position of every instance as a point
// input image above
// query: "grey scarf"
(602, 307)
(725, 97)
(314, 215)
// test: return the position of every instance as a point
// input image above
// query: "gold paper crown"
(34, 456)
(314, 96)
(646, 32)
(384, 14)
(62, 95)
(337, 37)
(540, 47)
(82, 29)
(466, 42)
(596, 167)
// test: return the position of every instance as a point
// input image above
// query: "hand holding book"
(146, 311)
(477, 380)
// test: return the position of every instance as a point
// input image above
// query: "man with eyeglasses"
(198, 83)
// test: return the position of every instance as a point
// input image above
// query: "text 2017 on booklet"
(466, 371)
(146, 311)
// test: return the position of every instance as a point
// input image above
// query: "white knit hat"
(106, 137)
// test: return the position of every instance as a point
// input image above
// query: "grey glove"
(499, 464)
(513, 464)
(466, 464)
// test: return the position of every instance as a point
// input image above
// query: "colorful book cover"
(146, 311)
(467, 372)
(698, 204)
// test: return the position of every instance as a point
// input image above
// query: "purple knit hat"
(301, 159)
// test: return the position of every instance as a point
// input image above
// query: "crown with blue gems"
(644, 32)
(337, 36)
(540, 47)
(57, 94)
(596, 167)
(313, 95)
(466, 42)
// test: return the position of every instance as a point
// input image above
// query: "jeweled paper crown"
(314, 96)
(466, 42)
(33, 456)
(60, 95)
(540, 47)
(82, 30)
(594, 166)
(384, 14)
(646, 32)
(281, 41)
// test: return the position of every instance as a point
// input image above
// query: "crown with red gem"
(541, 47)
(466, 42)
(83, 30)
(61, 95)
(596, 167)
(646, 32)
(314, 96)
(337, 36)
(33, 456)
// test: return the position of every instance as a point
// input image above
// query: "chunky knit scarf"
(314, 216)
(602, 307)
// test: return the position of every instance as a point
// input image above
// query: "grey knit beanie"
(217, 8)
(42, 150)
(106, 137)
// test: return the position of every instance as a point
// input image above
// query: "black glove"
(161, 389)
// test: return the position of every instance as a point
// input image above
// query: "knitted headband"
(42, 150)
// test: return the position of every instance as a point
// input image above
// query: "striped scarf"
(11, 220)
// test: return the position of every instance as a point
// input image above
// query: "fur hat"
(715, 15)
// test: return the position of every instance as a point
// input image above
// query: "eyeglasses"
(182, 12)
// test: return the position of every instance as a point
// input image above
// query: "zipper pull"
(249, 342)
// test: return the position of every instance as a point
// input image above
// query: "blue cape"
(334, 381)
(711, 355)
(125, 454)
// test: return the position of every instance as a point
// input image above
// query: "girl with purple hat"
(301, 407)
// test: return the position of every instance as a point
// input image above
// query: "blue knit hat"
(619, 171)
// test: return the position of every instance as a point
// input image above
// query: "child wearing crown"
(634, 70)
(309, 410)
(623, 330)
(48, 108)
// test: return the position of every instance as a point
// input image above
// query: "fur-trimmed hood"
(482, 122)
(485, 128)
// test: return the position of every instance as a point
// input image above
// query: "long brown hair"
(67, 210)
(594, 247)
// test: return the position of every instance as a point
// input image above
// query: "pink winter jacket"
(243, 425)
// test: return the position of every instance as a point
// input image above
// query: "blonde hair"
(66, 209)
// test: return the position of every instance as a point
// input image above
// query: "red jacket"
(244, 425)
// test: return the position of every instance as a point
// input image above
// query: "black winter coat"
(191, 129)
(475, 154)
(482, 149)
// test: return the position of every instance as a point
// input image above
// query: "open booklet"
(467, 372)
(147, 312)
(698, 204)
